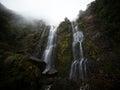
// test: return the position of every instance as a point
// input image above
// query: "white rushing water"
(79, 64)
(48, 87)
(49, 53)
(35, 54)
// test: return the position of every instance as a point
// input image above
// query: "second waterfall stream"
(49, 52)
(79, 65)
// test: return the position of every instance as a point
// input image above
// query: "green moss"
(102, 48)
(20, 70)
(64, 48)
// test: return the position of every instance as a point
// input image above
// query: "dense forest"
(100, 24)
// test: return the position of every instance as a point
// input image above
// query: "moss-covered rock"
(18, 38)
(64, 48)
(20, 73)
(99, 44)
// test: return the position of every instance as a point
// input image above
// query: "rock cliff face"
(64, 47)
(100, 48)
(17, 41)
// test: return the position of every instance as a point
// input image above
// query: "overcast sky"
(52, 11)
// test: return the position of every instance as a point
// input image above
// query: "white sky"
(52, 11)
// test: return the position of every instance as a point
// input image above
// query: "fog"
(52, 11)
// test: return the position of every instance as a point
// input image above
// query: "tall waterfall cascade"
(35, 54)
(79, 65)
(49, 52)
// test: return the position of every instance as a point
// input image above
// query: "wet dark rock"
(51, 73)
(36, 59)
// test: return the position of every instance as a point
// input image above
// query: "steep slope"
(18, 38)
(64, 56)
(64, 47)
(100, 24)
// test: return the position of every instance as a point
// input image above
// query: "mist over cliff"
(79, 54)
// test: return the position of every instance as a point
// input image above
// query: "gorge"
(83, 54)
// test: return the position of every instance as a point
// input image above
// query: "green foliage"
(64, 48)
(64, 27)
(17, 41)
(18, 70)
(101, 27)
(107, 14)
(91, 49)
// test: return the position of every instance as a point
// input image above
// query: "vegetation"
(108, 18)
(18, 38)
(64, 47)
(100, 23)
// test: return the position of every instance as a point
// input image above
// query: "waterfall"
(79, 64)
(49, 52)
(48, 87)
(35, 54)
